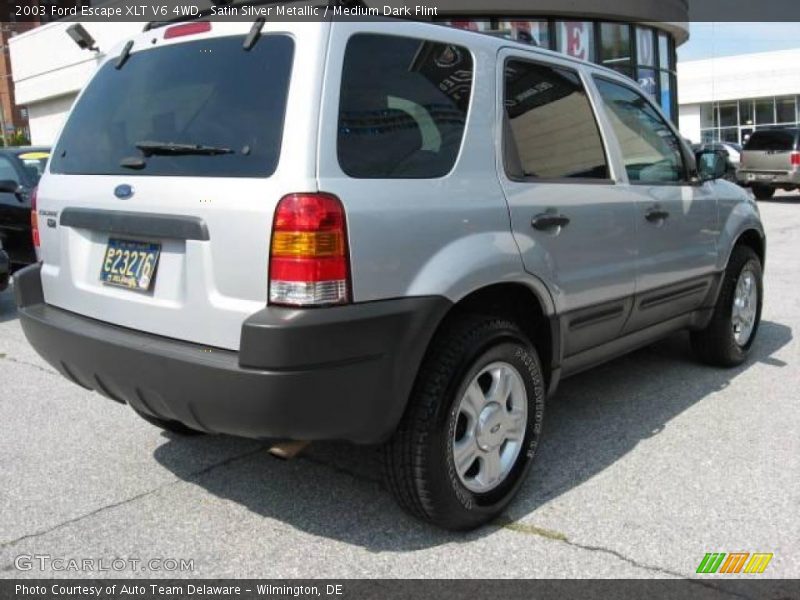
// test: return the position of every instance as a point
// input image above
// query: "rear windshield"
(34, 163)
(772, 139)
(209, 92)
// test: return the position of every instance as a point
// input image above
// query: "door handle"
(547, 221)
(656, 214)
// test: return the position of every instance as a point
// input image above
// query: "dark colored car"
(20, 170)
(5, 268)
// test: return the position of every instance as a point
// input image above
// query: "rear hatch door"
(157, 209)
(769, 150)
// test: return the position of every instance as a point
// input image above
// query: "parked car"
(770, 161)
(727, 152)
(5, 268)
(392, 233)
(20, 170)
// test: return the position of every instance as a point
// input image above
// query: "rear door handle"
(547, 221)
(656, 214)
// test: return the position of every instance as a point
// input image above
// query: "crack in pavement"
(557, 536)
(4, 356)
(131, 499)
(500, 523)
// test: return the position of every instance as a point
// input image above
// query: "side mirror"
(711, 165)
(9, 186)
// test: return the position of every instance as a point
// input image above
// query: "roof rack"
(241, 4)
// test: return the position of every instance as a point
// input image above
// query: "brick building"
(12, 118)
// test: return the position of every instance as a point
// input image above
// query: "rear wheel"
(763, 192)
(472, 426)
(727, 339)
(171, 426)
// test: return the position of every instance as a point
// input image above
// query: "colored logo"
(736, 562)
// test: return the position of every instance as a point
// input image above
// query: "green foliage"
(17, 138)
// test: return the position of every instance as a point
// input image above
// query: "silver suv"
(770, 161)
(391, 233)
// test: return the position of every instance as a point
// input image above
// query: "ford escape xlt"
(386, 232)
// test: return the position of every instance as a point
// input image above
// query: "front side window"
(403, 107)
(551, 131)
(650, 150)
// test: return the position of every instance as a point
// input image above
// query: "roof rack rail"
(241, 4)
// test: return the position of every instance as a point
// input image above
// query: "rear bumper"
(750, 177)
(333, 373)
(5, 270)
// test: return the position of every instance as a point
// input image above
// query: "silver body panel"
(448, 236)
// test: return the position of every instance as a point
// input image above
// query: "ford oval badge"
(123, 191)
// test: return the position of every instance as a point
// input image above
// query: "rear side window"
(551, 132)
(403, 107)
(772, 139)
(207, 92)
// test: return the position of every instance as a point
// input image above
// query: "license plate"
(130, 264)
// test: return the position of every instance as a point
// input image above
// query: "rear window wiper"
(150, 148)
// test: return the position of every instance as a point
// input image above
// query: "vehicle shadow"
(8, 308)
(783, 198)
(596, 418)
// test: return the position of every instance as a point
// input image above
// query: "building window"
(728, 114)
(537, 32)
(785, 110)
(575, 38)
(746, 112)
(615, 44)
(735, 120)
(765, 111)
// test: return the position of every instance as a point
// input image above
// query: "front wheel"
(472, 426)
(727, 339)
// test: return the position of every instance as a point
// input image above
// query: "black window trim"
(467, 116)
(504, 147)
(689, 179)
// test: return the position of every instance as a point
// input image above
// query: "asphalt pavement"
(648, 463)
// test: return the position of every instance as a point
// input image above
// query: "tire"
(763, 192)
(717, 344)
(419, 464)
(175, 427)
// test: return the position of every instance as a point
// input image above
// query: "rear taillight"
(187, 29)
(308, 263)
(796, 159)
(34, 218)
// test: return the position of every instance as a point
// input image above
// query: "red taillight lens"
(796, 159)
(187, 29)
(34, 218)
(308, 254)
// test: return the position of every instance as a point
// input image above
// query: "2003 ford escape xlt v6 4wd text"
(387, 232)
